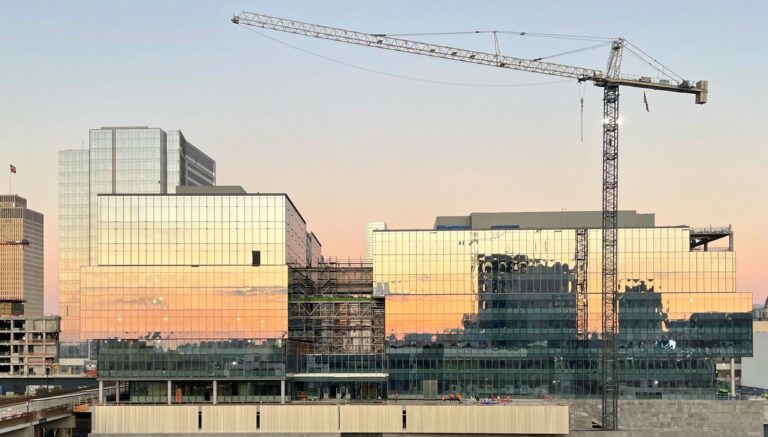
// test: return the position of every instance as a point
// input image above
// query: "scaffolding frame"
(332, 310)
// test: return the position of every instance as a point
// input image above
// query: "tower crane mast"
(610, 80)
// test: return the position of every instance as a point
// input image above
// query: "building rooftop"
(211, 189)
(12, 201)
(542, 220)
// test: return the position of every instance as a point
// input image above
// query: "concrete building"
(29, 346)
(21, 258)
(119, 160)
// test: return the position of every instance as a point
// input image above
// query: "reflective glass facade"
(193, 286)
(185, 267)
(187, 165)
(74, 204)
(495, 312)
(118, 160)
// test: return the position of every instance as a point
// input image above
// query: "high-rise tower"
(21, 258)
(119, 160)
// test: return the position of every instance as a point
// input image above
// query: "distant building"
(760, 311)
(29, 345)
(187, 165)
(28, 340)
(119, 160)
(21, 258)
(369, 229)
(753, 370)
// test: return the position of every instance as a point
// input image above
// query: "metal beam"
(418, 48)
(582, 289)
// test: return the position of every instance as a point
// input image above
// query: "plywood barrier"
(371, 418)
(299, 418)
(135, 419)
(465, 419)
(229, 418)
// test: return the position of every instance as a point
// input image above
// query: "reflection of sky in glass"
(207, 302)
(180, 267)
(431, 276)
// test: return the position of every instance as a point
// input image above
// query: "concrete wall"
(636, 419)
(753, 370)
(674, 418)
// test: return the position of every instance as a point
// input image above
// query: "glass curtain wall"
(494, 313)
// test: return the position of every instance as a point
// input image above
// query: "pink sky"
(350, 146)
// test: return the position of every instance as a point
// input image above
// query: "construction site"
(335, 332)
(209, 310)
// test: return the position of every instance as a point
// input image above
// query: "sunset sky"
(351, 145)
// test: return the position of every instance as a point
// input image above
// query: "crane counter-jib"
(700, 89)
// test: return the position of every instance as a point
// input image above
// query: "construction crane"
(610, 80)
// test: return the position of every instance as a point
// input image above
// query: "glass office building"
(187, 165)
(192, 288)
(119, 160)
(492, 306)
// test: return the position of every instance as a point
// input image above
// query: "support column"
(117, 392)
(282, 391)
(215, 392)
(101, 392)
(733, 376)
(169, 392)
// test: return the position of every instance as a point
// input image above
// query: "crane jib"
(382, 41)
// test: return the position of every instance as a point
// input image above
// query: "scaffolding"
(332, 310)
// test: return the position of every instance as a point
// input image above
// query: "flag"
(645, 100)
(13, 168)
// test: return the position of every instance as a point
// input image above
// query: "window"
(256, 258)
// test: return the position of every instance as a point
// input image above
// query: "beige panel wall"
(433, 419)
(144, 419)
(464, 419)
(299, 418)
(229, 418)
(371, 418)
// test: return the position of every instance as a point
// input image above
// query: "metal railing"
(27, 405)
(712, 230)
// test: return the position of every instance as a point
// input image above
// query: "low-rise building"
(29, 346)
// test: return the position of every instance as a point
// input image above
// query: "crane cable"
(663, 69)
(582, 91)
(504, 32)
(645, 57)
(650, 61)
(400, 76)
(570, 52)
